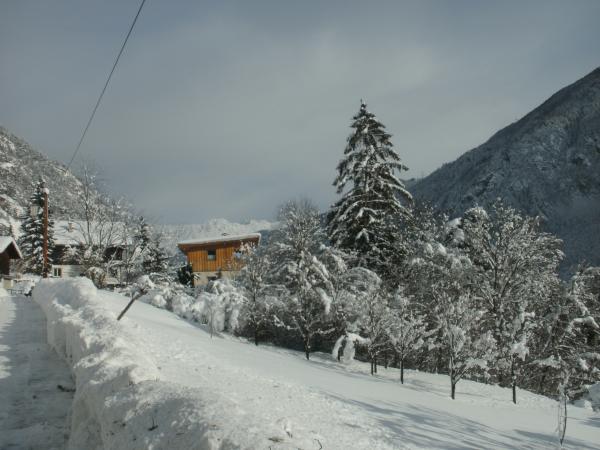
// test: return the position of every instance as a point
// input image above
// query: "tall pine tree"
(153, 259)
(31, 241)
(364, 218)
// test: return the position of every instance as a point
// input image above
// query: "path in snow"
(33, 410)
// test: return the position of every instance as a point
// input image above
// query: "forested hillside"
(547, 164)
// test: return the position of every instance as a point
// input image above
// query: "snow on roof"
(222, 238)
(6, 241)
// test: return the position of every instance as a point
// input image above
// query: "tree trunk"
(307, 348)
(513, 380)
(439, 359)
(385, 359)
(542, 381)
(453, 381)
(375, 364)
(402, 370)
(256, 336)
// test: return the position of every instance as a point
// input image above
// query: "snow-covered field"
(154, 380)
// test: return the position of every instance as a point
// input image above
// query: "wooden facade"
(216, 256)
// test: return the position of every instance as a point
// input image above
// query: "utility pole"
(46, 269)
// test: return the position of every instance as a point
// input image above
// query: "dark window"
(113, 253)
(212, 255)
(57, 271)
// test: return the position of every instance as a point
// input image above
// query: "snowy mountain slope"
(20, 167)
(546, 163)
(155, 380)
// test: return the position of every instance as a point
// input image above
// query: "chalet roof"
(221, 239)
(72, 233)
(7, 243)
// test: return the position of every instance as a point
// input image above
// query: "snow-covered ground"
(33, 409)
(154, 380)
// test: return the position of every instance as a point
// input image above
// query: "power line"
(105, 86)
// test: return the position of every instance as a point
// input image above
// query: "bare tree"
(106, 229)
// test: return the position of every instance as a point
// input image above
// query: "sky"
(228, 109)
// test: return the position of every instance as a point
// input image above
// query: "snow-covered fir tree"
(300, 271)
(373, 198)
(31, 241)
(151, 258)
(185, 275)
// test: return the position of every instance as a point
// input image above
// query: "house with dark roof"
(8, 251)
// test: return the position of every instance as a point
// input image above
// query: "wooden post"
(133, 299)
(46, 269)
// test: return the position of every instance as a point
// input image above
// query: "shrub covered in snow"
(219, 305)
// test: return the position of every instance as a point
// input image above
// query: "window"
(212, 255)
(57, 272)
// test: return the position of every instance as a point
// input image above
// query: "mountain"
(547, 164)
(20, 168)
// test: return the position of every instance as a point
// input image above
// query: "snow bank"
(120, 401)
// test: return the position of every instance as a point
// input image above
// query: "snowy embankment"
(154, 380)
(120, 400)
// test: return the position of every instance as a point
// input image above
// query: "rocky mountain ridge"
(547, 164)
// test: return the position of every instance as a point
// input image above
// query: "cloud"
(229, 109)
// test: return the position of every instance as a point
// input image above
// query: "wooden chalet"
(8, 250)
(216, 257)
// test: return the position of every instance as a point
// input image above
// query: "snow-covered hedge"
(218, 306)
(120, 401)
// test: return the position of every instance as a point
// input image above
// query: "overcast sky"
(226, 109)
